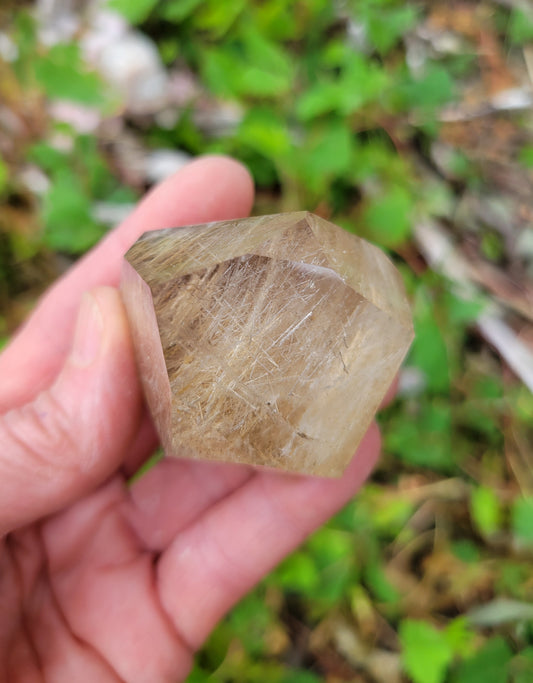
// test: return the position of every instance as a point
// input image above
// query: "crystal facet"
(269, 340)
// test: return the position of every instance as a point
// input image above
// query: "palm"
(109, 585)
(116, 582)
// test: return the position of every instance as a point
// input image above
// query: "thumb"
(76, 433)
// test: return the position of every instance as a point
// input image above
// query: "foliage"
(489, 665)
(522, 519)
(336, 111)
(521, 26)
(60, 72)
(77, 172)
(79, 177)
(426, 651)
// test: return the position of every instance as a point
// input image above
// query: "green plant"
(339, 108)
(427, 652)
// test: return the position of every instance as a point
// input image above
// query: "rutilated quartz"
(269, 341)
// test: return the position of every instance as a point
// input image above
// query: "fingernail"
(88, 334)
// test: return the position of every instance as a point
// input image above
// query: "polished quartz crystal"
(269, 341)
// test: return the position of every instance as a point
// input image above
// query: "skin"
(99, 579)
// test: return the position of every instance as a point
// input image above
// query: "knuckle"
(41, 432)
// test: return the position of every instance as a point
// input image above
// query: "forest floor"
(409, 123)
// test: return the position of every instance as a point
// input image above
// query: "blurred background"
(408, 123)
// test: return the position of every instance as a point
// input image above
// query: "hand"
(100, 581)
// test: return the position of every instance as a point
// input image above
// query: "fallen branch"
(442, 255)
(515, 99)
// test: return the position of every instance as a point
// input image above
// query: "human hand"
(100, 581)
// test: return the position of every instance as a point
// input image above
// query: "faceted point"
(269, 341)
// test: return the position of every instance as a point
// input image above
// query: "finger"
(210, 188)
(238, 540)
(104, 586)
(74, 434)
(174, 493)
(61, 654)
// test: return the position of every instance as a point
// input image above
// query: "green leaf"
(488, 388)
(69, 226)
(301, 676)
(25, 38)
(460, 636)
(277, 19)
(378, 583)
(326, 155)
(522, 518)
(267, 54)
(377, 161)
(265, 132)
(298, 573)
(169, 50)
(146, 467)
(525, 156)
(513, 579)
(219, 71)
(249, 620)
(218, 17)
(25, 32)
(49, 158)
(359, 82)
(253, 67)
(330, 545)
(488, 665)
(466, 551)
(333, 586)
(177, 10)
(424, 439)
(389, 217)
(435, 198)
(198, 676)
(523, 405)
(336, 53)
(94, 170)
(321, 98)
(522, 666)
(461, 310)
(267, 69)
(435, 89)
(331, 154)
(392, 516)
(429, 352)
(363, 82)
(4, 175)
(62, 75)
(486, 511)
(135, 11)
(215, 649)
(387, 26)
(426, 653)
(389, 513)
(492, 246)
(520, 28)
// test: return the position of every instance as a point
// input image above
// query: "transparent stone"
(269, 341)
